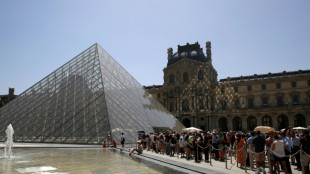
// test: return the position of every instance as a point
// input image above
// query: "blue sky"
(248, 37)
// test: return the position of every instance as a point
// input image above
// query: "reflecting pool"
(76, 161)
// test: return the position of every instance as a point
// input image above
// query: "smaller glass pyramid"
(84, 101)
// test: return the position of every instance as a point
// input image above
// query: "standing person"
(232, 142)
(252, 149)
(197, 143)
(182, 145)
(240, 142)
(220, 143)
(190, 144)
(206, 142)
(296, 148)
(173, 142)
(109, 142)
(305, 147)
(123, 140)
(167, 142)
(214, 144)
(269, 141)
(288, 144)
(152, 140)
(278, 147)
(259, 145)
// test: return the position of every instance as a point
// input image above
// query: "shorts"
(260, 157)
(305, 160)
(220, 146)
(122, 142)
(139, 152)
(279, 159)
(272, 156)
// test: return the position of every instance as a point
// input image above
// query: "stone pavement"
(203, 167)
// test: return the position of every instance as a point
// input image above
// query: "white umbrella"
(191, 129)
(299, 128)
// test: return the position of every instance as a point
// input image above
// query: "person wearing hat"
(139, 149)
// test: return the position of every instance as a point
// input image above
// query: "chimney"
(208, 46)
(11, 91)
(170, 52)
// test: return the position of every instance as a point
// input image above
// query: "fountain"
(9, 141)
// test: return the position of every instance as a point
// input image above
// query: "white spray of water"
(9, 141)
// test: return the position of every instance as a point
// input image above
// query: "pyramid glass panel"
(84, 101)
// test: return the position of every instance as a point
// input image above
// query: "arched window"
(185, 77)
(251, 123)
(186, 122)
(200, 75)
(185, 105)
(282, 121)
(299, 121)
(267, 121)
(223, 124)
(237, 124)
(171, 79)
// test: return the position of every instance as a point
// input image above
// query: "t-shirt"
(259, 144)
(305, 142)
(123, 138)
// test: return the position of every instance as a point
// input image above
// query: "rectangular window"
(263, 86)
(201, 107)
(223, 90)
(250, 102)
(295, 100)
(294, 84)
(171, 106)
(265, 101)
(236, 88)
(308, 82)
(278, 85)
(280, 101)
(158, 95)
(249, 88)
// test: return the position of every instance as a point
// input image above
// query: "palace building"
(193, 94)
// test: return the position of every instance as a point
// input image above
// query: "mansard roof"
(189, 51)
(269, 75)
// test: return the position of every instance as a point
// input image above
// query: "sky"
(247, 37)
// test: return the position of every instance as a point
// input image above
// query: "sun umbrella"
(191, 129)
(264, 129)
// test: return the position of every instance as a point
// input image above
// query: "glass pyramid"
(84, 101)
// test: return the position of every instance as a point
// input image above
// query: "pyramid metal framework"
(84, 101)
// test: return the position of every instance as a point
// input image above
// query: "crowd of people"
(252, 149)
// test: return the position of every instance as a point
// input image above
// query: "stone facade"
(193, 94)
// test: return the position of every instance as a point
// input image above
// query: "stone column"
(244, 122)
(290, 119)
(275, 121)
(259, 119)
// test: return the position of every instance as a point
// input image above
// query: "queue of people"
(252, 149)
